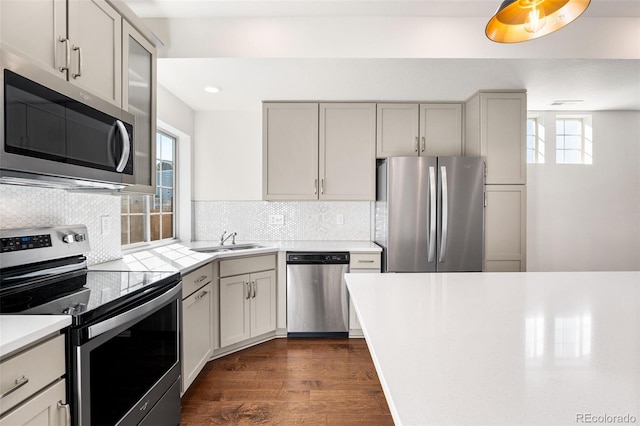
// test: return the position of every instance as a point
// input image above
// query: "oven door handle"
(112, 323)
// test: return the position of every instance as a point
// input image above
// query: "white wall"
(227, 163)
(177, 118)
(587, 217)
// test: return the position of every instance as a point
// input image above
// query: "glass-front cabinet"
(139, 98)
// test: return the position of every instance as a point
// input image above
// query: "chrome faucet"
(232, 236)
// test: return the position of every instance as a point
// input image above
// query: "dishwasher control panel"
(317, 257)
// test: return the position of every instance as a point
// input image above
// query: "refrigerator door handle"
(445, 213)
(432, 214)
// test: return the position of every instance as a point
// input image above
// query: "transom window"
(574, 140)
(148, 218)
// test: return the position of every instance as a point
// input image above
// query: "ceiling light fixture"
(522, 20)
(212, 89)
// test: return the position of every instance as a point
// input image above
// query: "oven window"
(126, 366)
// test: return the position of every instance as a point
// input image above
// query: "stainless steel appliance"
(317, 297)
(429, 214)
(56, 134)
(123, 345)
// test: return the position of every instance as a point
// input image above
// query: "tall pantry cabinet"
(495, 128)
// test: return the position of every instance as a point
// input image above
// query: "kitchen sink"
(230, 247)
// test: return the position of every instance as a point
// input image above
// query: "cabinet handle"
(315, 187)
(248, 290)
(322, 186)
(201, 295)
(365, 261)
(253, 284)
(67, 412)
(67, 56)
(18, 383)
(200, 279)
(423, 144)
(79, 74)
(416, 144)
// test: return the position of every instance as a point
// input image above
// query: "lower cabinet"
(505, 228)
(247, 299)
(361, 263)
(197, 322)
(32, 390)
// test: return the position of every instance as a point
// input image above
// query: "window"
(574, 143)
(148, 218)
(535, 140)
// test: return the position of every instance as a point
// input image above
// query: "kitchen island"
(557, 348)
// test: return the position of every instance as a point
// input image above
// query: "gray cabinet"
(317, 151)
(139, 98)
(247, 298)
(361, 263)
(505, 228)
(197, 322)
(79, 41)
(32, 390)
(428, 129)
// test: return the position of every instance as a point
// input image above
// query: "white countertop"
(180, 257)
(504, 348)
(18, 331)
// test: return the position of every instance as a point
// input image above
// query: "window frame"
(149, 200)
(585, 145)
(538, 149)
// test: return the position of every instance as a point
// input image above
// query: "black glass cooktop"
(84, 294)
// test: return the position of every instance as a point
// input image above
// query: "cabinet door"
(95, 32)
(347, 151)
(235, 306)
(397, 130)
(505, 228)
(503, 120)
(197, 323)
(290, 151)
(139, 98)
(263, 302)
(441, 129)
(34, 28)
(47, 408)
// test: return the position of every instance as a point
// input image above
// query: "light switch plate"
(339, 219)
(105, 225)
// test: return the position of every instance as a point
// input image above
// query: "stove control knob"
(80, 237)
(70, 310)
(69, 238)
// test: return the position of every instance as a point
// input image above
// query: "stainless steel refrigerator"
(429, 214)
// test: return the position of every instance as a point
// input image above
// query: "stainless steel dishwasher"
(317, 298)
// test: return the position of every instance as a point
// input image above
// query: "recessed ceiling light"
(212, 89)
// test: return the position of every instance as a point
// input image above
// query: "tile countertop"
(180, 257)
(18, 331)
(557, 348)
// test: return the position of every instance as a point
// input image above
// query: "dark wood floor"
(289, 381)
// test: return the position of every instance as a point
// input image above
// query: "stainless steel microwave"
(56, 134)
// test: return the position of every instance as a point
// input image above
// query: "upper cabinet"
(418, 129)
(85, 49)
(496, 129)
(320, 151)
(139, 98)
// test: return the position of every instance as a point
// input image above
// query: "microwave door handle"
(432, 215)
(126, 146)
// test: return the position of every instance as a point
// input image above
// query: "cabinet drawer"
(247, 265)
(365, 261)
(30, 371)
(196, 279)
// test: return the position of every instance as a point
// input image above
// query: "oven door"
(129, 366)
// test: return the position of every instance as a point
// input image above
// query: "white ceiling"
(601, 81)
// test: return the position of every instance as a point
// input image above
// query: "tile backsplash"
(27, 207)
(302, 220)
